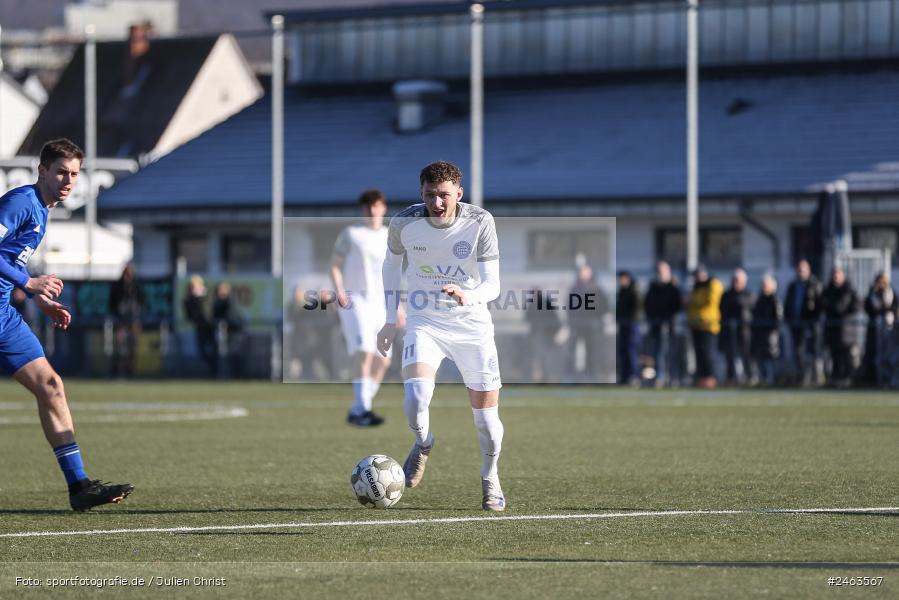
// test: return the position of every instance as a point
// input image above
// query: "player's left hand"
(58, 313)
(454, 291)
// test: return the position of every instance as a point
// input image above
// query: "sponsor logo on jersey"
(462, 249)
(445, 270)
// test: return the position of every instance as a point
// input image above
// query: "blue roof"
(788, 135)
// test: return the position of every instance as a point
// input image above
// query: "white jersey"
(437, 256)
(363, 250)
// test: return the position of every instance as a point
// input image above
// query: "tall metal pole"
(476, 196)
(277, 92)
(277, 142)
(90, 140)
(692, 134)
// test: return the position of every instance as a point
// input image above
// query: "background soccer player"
(356, 273)
(23, 221)
(453, 272)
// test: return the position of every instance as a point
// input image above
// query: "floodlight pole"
(277, 142)
(692, 134)
(90, 140)
(277, 177)
(476, 195)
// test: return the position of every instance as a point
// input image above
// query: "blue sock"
(69, 458)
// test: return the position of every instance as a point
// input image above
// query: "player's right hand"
(49, 285)
(385, 338)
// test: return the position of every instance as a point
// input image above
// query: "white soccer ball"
(378, 481)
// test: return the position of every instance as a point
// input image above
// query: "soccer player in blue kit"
(23, 222)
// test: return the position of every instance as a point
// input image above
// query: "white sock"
(418, 393)
(359, 403)
(373, 387)
(490, 434)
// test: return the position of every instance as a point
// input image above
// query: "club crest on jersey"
(445, 270)
(462, 249)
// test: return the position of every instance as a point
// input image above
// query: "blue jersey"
(23, 222)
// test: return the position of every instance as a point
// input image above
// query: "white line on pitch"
(437, 521)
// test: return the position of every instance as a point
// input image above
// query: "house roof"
(131, 118)
(761, 135)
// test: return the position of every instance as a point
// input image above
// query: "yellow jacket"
(704, 306)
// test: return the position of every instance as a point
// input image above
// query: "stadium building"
(584, 116)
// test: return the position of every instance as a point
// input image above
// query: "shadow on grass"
(200, 511)
(219, 533)
(167, 511)
(737, 564)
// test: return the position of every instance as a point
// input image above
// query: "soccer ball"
(378, 481)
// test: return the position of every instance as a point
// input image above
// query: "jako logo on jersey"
(446, 271)
(420, 248)
(37, 229)
(462, 249)
(25, 255)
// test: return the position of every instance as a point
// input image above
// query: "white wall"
(17, 114)
(224, 86)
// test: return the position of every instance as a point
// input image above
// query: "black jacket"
(736, 313)
(840, 305)
(766, 317)
(662, 303)
(627, 305)
(810, 308)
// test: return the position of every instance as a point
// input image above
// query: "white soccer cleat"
(414, 467)
(493, 496)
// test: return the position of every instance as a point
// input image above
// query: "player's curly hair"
(440, 171)
(60, 148)
(369, 197)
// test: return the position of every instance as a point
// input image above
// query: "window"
(719, 247)
(877, 236)
(246, 254)
(558, 249)
(194, 251)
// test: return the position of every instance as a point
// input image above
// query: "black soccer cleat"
(366, 419)
(96, 493)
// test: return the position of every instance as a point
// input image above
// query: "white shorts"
(360, 324)
(472, 349)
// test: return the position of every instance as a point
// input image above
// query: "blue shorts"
(18, 344)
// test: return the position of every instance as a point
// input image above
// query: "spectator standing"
(662, 304)
(588, 304)
(767, 314)
(196, 312)
(126, 305)
(840, 304)
(704, 320)
(627, 307)
(542, 316)
(882, 308)
(736, 314)
(229, 326)
(802, 312)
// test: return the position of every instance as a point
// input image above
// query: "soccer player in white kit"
(452, 273)
(356, 265)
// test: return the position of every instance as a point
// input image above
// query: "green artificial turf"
(601, 451)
